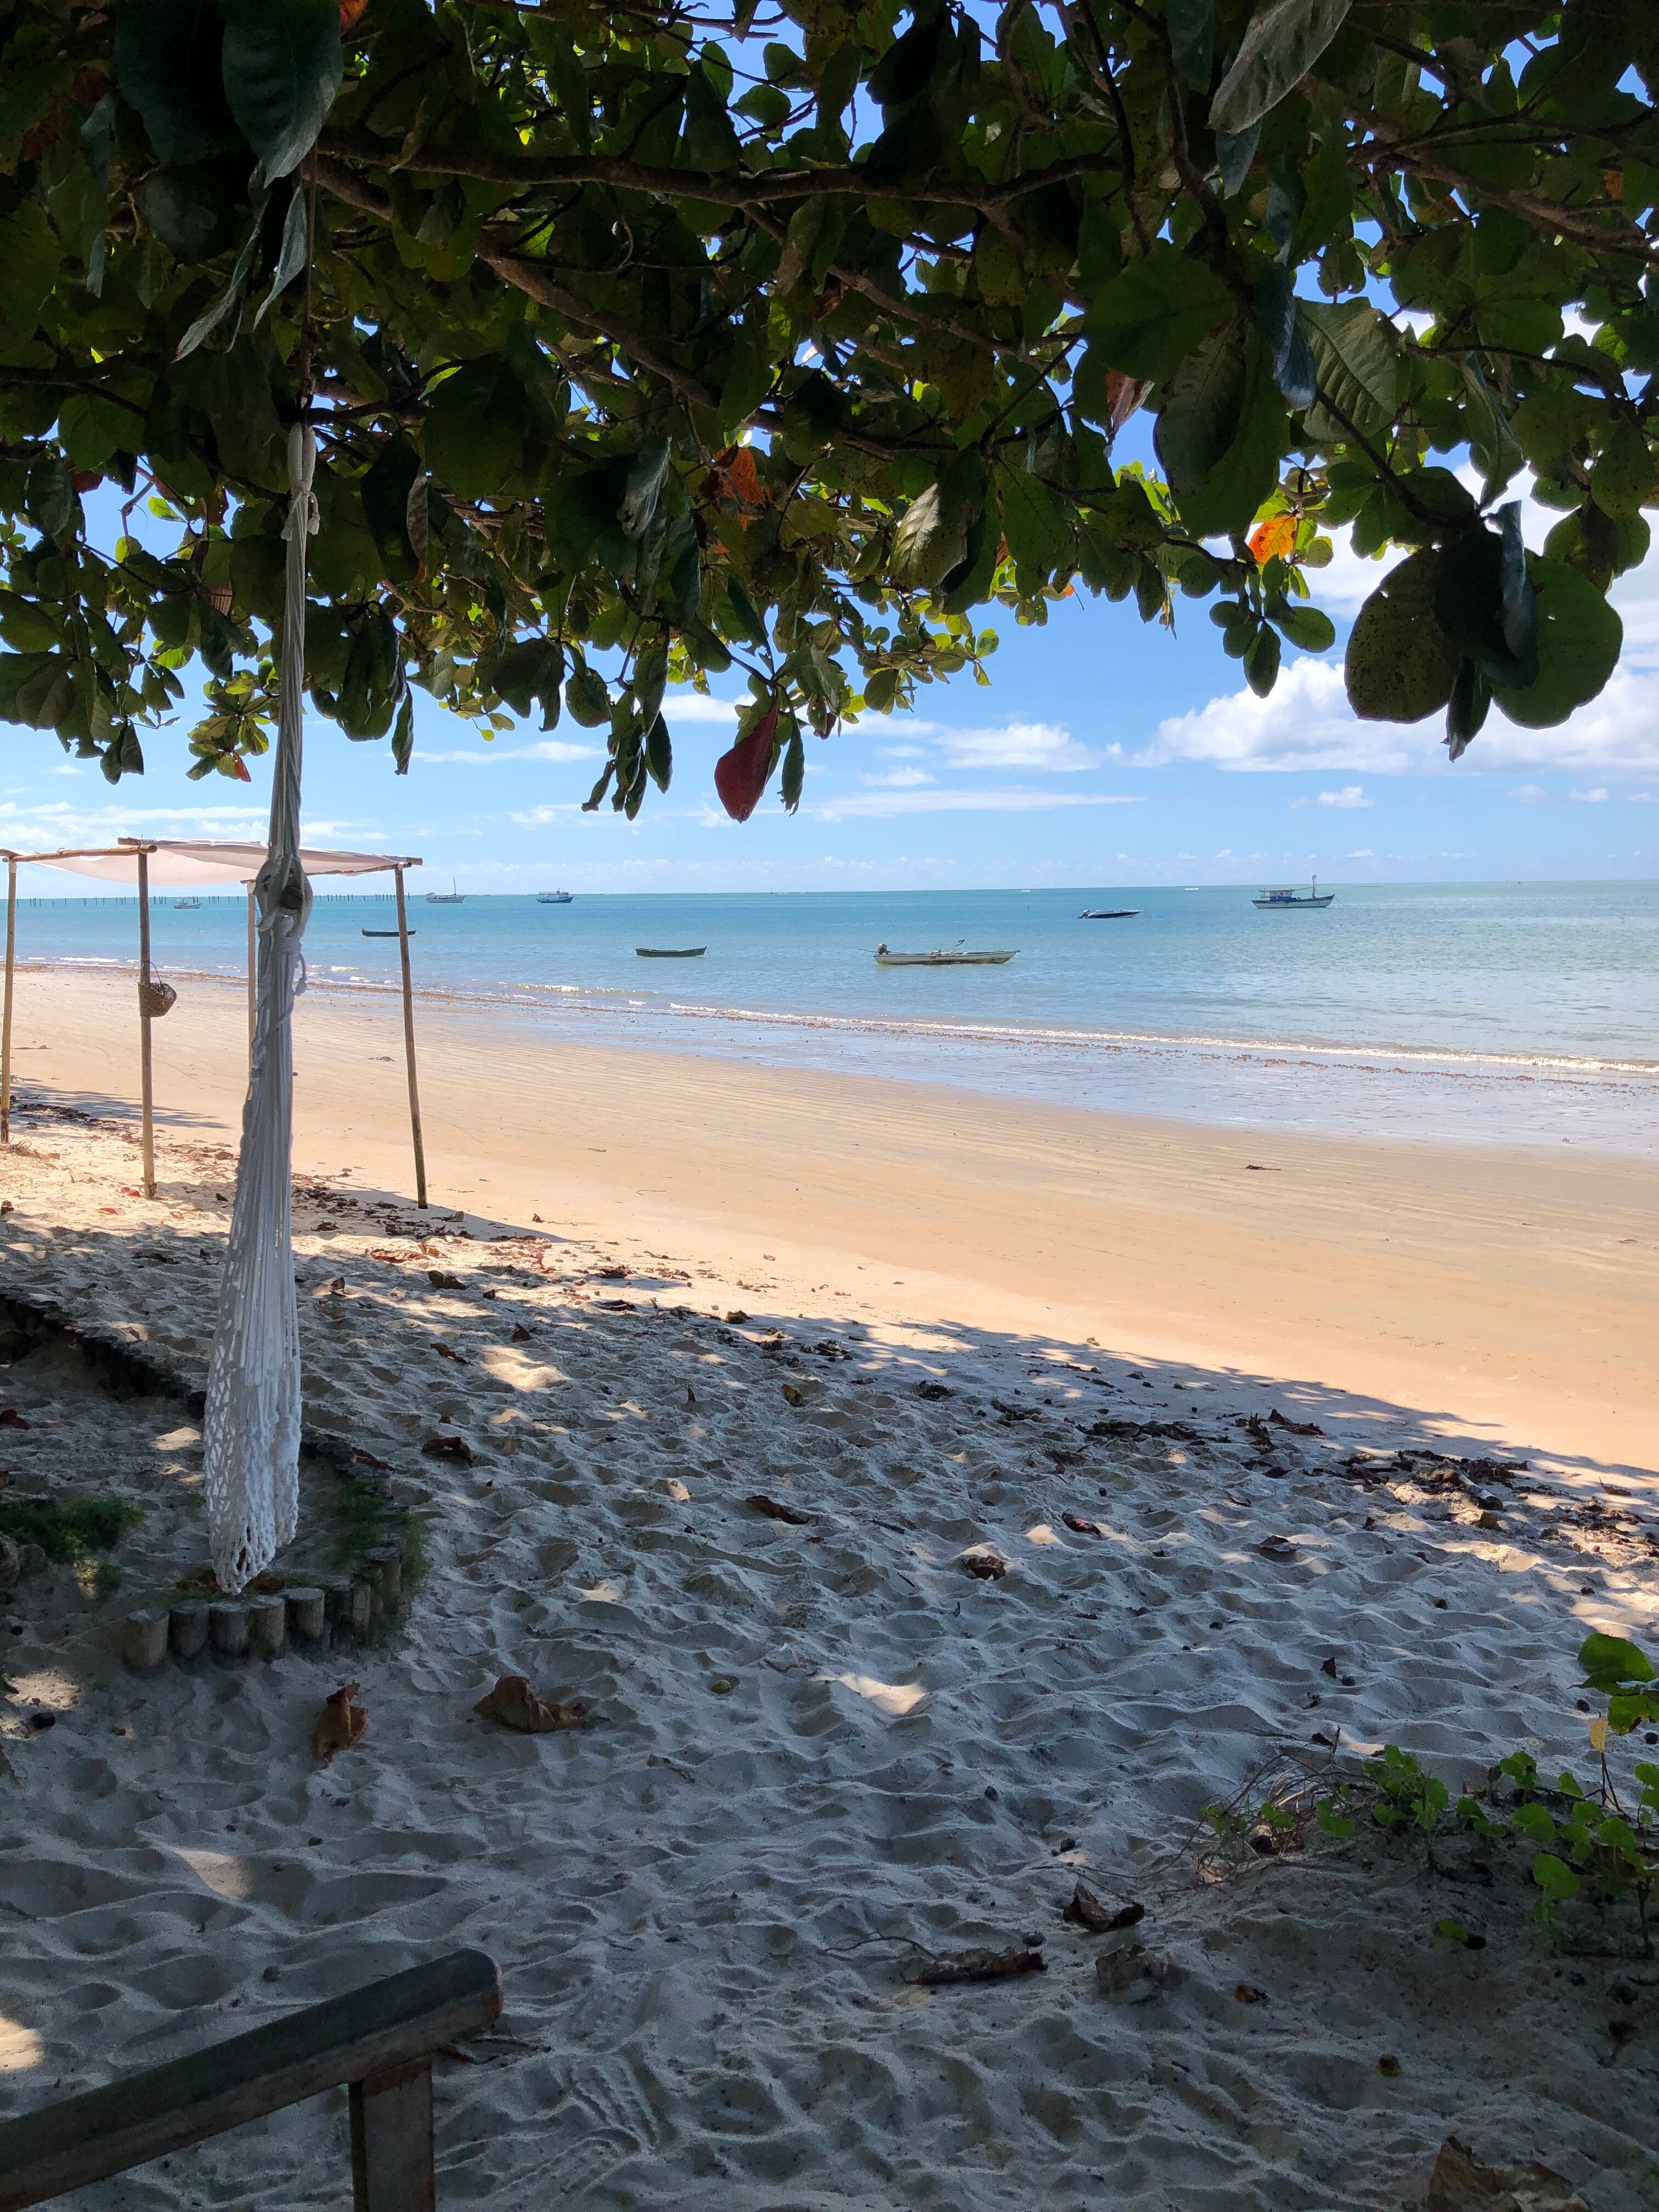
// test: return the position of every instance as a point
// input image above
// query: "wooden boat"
(937, 959)
(1286, 897)
(670, 951)
(1108, 914)
(383, 932)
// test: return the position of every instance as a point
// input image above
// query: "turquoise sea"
(1478, 1012)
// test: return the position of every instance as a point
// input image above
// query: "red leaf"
(349, 11)
(740, 776)
(239, 769)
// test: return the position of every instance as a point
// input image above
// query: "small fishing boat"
(1108, 914)
(957, 959)
(184, 906)
(554, 898)
(1287, 897)
(383, 932)
(670, 951)
(451, 897)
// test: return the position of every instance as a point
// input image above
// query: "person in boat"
(880, 949)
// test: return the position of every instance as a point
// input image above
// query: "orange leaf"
(1274, 539)
(742, 478)
(349, 11)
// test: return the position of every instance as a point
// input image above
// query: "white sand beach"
(927, 1327)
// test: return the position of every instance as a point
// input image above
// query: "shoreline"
(1508, 1295)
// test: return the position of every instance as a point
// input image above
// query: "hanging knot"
(303, 519)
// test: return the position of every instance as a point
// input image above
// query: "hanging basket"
(155, 997)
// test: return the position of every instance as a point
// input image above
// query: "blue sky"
(1104, 753)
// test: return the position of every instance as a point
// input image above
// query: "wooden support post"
(146, 1102)
(252, 975)
(5, 1017)
(409, 1042)
(392, 2163)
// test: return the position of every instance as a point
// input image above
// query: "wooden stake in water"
(409, 1041)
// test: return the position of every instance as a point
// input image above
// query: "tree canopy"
(668, 340)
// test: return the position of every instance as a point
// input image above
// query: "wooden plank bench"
(379, 2039)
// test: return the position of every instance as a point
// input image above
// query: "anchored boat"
(1108, 914)
(1300, 900)
(670, 951)
(554, 898)
(955, 959)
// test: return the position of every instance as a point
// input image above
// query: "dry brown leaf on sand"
(774, 1511)
(1462, 2182)
(340, 1723)
(977, 1966)
(515, 1705)
(986, 1565)
(1101, 1915)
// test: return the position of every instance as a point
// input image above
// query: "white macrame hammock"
(253, 1428)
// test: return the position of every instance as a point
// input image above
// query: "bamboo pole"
(253, 976)
(5, 1018)
(149, 1125)
(409, 1042)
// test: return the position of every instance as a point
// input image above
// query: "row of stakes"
(262, 1627)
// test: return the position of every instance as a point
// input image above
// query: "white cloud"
(1350, 795)
(1011, 799)
(1590, 798)
(1364, 854)
(901, 752)
(693, 707)
(1307, 723)
(897, 778)
(1041, 745)
(1529, 794)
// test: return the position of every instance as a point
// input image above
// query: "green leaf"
(1533, 1820)
(403, 735)
(1220, 431)
(645, 483)
(167, 67)
(292, 258)
(1555, 1877)
(1622, 480)
(1359, 364)
(1611, 1662)
(282, 65)
(930, 541)
(1149, 318)
(1281, 46)
(660, 754)
(586, 697)
(1278, 312)
(1031, 521)
(31, 255)
(709, 141)
(1467, 709)
(1310, 628)
(1491, 441)
(1191, 26)
(1398, 667)
(1579, 636)
(1485, 604)
(793, 772)
(1261, 662)
(474, 434)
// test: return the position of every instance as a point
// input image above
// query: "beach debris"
(11, 1562)
(615, 1305)
(1248, 1993)
(1462, 2182)
(794, 1395)
(615, 1272)
(1277, 1547)
(736, 1318)
(827, 1348)
(362, 1458)
(1081, 1524)
(722, 1685)
(11, 1419)
(975, 1966)
(441, 1279)
(520, 1334)
(1276, 1419)
(1388, 2063)
(1012, 1413)
(340, 1724)
(774, 1511)
(515, 1705)
(448, 1352)
(455, 1448)
(1258, 1431)
(1132, 1974)
(690, 1395)
(984, 1564)
(929, 1390)
(1102, 1916)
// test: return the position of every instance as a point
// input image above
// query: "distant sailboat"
(451, 897)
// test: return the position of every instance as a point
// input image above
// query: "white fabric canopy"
(175, 863)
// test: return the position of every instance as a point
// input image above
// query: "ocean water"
(1471, 1013)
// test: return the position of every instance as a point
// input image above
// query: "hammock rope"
(251, 1432)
